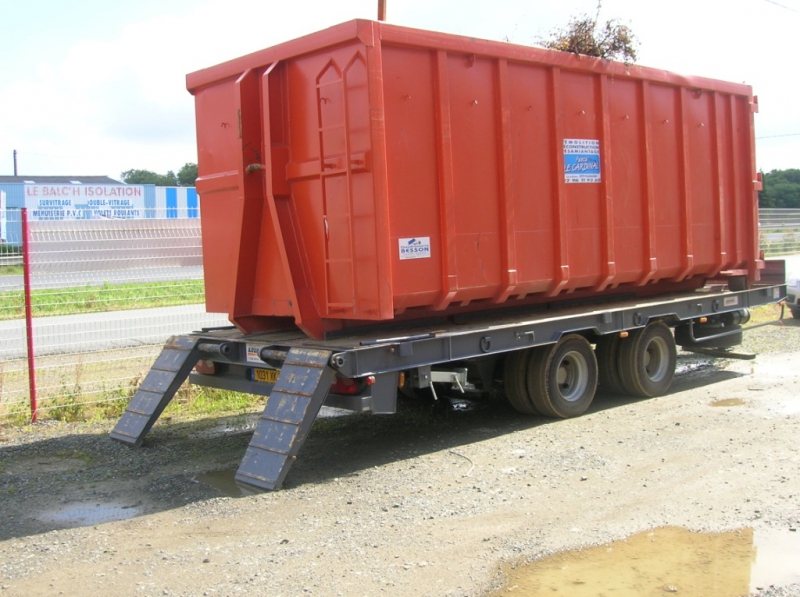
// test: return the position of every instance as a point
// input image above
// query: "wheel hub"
(572, 376)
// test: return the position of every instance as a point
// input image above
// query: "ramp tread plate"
(156, 390)
(170, 360)
(286, 408)
(276, 437)
(157, 381)
(308, 357)
(130, 427)
(261, 469)
(290, 411)
(301, 381)
(144, 402)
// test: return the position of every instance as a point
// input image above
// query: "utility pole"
(15, 162)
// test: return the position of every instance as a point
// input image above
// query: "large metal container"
(370, 172)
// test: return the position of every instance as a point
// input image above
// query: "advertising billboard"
(48, 202)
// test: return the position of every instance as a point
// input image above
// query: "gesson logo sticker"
(415, 248)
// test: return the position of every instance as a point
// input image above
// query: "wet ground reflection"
(663, 561)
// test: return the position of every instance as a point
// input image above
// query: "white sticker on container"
(418, 247)
(731, 301)
(254, 353)
(581, 160)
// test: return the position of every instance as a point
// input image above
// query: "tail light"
(350, 386)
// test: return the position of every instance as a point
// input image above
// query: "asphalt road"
(87, 332)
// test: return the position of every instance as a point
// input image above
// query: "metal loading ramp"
(291, 409)
(166, 375)
(290, 412)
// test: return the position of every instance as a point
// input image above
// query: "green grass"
(11, 270)
(189, 402)
(93, 299)
(196, 400)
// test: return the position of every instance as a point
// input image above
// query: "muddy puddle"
(728, 402)
(81, 514)
(665, 561)
(225, 483)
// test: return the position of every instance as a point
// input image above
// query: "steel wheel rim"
(656, 359)
(572, 376)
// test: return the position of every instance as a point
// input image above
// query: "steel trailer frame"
(308, 367)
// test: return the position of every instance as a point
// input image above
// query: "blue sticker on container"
(581, 160)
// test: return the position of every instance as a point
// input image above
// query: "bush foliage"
(781, 189)
(586, 35)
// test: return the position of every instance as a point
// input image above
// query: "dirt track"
(413, 504)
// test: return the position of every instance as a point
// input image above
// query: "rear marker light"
(205, 367)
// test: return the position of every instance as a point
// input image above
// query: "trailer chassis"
(297, 373)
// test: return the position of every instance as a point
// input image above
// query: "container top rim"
(372, 33)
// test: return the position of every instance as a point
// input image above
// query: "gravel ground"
(412, 504)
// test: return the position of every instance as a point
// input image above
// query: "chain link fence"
(106, 294)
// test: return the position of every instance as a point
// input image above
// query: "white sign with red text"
(84, 202)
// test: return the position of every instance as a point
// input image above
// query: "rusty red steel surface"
(371, 172)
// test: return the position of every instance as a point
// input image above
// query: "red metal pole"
(381, 10)
(26, 274)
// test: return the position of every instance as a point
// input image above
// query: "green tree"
(187, 174)
(781, 189)
(147, 177)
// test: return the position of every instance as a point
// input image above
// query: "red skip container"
(370, 172)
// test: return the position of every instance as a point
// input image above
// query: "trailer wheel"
(607, 353)
(515, 386)
(647, 361)
(562, 377)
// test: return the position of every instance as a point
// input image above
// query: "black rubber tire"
(562, 377)
(515, 387)
(607, 353)
(795, 313)
(647, 361)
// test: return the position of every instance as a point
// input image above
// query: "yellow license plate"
(266, 375)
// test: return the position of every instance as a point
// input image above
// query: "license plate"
(266, 375)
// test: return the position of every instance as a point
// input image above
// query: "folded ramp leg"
(291, 409)
(166, 375)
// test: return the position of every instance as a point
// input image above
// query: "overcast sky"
(98, 86)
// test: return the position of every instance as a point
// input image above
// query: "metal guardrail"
(13, 260)
(779, 219)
